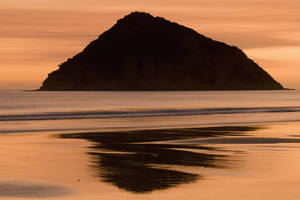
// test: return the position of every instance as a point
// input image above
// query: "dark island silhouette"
(145, 53)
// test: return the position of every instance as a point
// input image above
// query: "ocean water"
(32, 111)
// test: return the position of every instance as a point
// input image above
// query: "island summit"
(145, 53)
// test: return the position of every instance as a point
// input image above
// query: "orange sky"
(36, 36)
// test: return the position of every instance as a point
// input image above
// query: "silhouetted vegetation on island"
(142, 52)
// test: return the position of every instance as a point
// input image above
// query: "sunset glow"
(36, 36)
(151, 99)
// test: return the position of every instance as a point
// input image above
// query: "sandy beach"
(237, 161)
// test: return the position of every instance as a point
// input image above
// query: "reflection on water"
(134, 160)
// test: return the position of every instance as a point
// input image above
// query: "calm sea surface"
(56, 111)
(233, 145)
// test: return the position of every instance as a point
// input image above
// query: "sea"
(36, 111)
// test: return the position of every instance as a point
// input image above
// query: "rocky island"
(146, 53)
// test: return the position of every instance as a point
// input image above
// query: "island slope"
(142, 52)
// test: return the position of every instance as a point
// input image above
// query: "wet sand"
(32, 189)
(232, 162)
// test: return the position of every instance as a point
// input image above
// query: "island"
(146, 53)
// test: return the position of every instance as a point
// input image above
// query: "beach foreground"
(224, 162)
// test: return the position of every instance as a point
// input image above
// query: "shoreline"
(141, 128)
(229, 90)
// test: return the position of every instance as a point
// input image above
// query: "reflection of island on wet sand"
(132, 160)
(217, 162)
